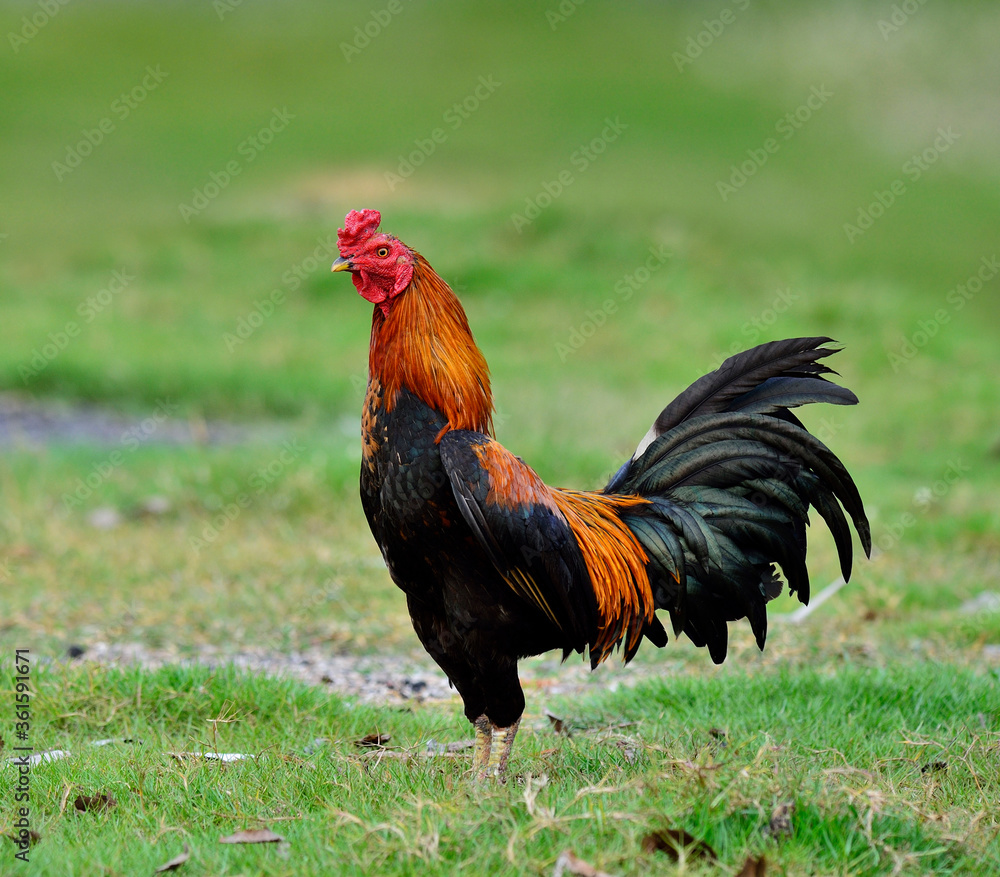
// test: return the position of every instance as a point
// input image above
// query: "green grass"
(892, 658)
(711, 756)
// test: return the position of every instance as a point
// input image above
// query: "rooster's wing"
(516, 521)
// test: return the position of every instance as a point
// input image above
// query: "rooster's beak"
(341, 264)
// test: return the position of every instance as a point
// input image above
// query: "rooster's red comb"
(359, 225)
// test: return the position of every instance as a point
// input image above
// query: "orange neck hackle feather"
(425, 345)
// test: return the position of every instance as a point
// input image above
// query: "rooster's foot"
(497, 749)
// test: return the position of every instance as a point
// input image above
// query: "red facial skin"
(380, 265)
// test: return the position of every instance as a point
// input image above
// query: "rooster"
(497, 566)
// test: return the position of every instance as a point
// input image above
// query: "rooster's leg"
(503, 742)
(484, 741)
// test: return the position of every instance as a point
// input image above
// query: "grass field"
(173, 175)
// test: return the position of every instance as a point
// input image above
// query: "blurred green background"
(181, 380)
(641, 116)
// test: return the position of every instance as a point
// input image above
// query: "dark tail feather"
(747, 372)
(731, 474)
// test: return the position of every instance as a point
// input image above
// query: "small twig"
(803, 612)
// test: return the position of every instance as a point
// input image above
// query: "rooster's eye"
(382, 252)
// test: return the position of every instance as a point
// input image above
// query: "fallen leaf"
(719, 735)
(985, 601)
(33, 837)
(39, 757)
(175, 862)
(629, 748)
(435, 749)
(253, 836)
(317, 744)
(781, 819)
(104, 518)
(753, 867)
(152, 506)
(673, 840)
(94, 802)
(569, 863)
(49, 755)
(373, 740)
(934, 766)
(560, 726)
(409, 688)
